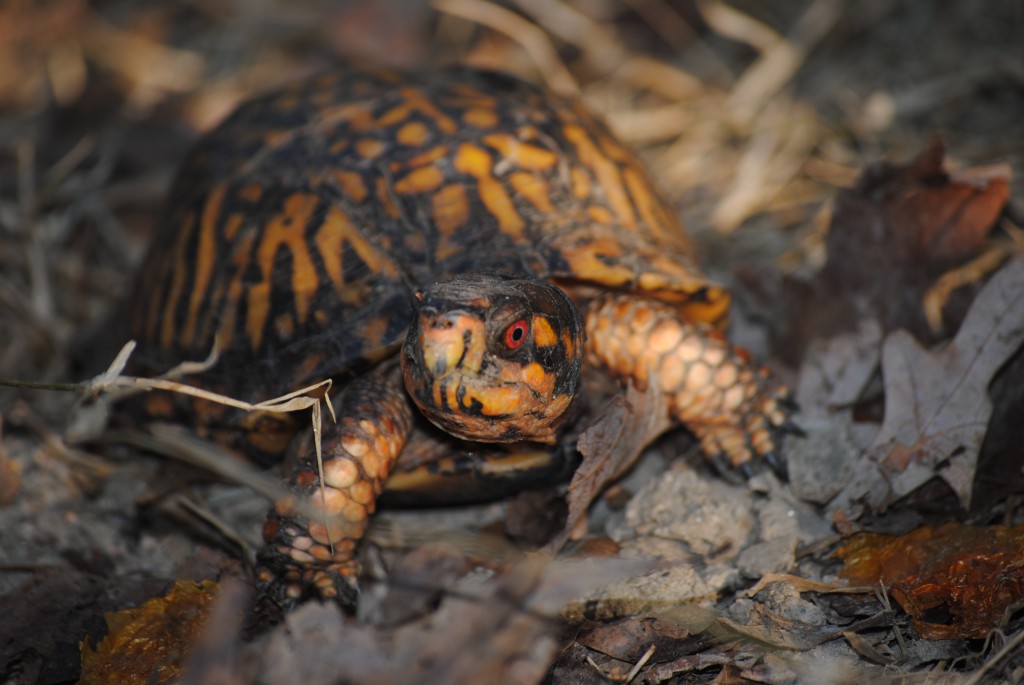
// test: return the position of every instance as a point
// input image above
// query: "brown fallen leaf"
(892, 236)
(610, 446)
(937, 403)
(628, 639)
(972, 573)
(149, 644)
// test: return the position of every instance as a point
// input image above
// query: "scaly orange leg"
(303, 558)
(733, 407)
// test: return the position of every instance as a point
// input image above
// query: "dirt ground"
(887, 297)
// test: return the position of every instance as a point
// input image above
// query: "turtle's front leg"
(303, 558)
(733, 407)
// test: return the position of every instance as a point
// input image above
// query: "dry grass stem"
(972, 272)
(528, 35)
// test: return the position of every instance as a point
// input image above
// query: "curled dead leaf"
(969, 573)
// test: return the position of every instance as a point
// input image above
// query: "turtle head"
(493, 359)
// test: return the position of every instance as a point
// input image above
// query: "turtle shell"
(297, 230)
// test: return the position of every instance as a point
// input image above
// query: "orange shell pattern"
(297, 231)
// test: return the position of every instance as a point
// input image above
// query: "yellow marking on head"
(413, 134)
(370, 148)
(534, 189)
(580, 183)
(180, 270)
(607, 174)
(543, 334)
(497, 400)
(599, 214)
(352, 185)
(567, 343)
(449, 208)
(476, 162)
(452, 396)
(539, 380)
(206, 256)
(421, 180)
(480, 117)
(250, 192)
(523, 155)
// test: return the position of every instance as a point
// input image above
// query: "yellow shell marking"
(205, 254)
(449, 208)
(352, 185)
(286, 229)
(523, 155)
(480, 117)
(534, 189)
(476, 162)
(421, 180)
(607, 173)
(178, 282)
(413, 134)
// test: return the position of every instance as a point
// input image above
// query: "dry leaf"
(610, 446)
(891, 238)
(973, 573)
(148, 645)
(937, 403)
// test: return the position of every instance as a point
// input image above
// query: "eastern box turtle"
(494, 238)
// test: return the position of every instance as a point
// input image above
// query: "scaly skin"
(375, 420)
(730, 405)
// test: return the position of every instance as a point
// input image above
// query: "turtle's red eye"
(516, 334)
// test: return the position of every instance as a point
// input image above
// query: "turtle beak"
(442, 341)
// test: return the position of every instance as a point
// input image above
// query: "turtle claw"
(777, 465)
(790, 427)
(787, 403)
(726, 469)
(748, 469)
